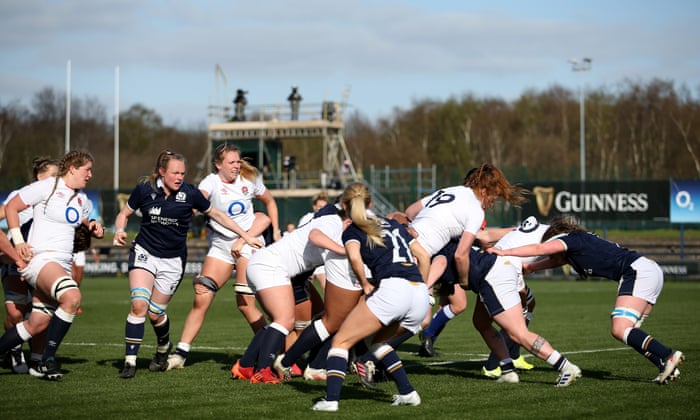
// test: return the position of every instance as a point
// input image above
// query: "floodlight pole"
(116, 131)
(68, 99)
(580, 66)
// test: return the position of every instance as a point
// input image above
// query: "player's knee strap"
(206, 282)
(628, 313)
(300, 325)
(61, 286)
(529, 296)
(140, 293)
(243, 289)
(43, 308)
(157, 309)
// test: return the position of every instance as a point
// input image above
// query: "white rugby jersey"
(234, 199)
(294, 253)
(55, 220)
(447, 214)
(305, 219)
(530, 232)
(338, 270)
(26, 214)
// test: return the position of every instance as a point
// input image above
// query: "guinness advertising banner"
(600, 200)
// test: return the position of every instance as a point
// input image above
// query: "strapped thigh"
(62, 285)
(207, 282)
(43, 308)
(157, 309)
(140, 293)
(529, 296)
(243, 289)
(300, 325)
(627, 313)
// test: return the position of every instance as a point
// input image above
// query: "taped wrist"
(16, 234)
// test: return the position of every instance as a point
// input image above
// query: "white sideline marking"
(479, 357)
(83, 344)
(470, 357)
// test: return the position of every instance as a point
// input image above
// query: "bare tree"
(12, 118)
(682, 116)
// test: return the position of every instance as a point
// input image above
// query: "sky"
(385, 54)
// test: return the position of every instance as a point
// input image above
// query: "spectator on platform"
(239, 103)
(294, 99)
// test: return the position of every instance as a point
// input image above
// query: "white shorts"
(265, 271)
(167, 271)
(517, 262)
(38, 261)
(503, 292)
(339, 273)
(645, 282)
(400, 300)
(220, 249)
(79, 258)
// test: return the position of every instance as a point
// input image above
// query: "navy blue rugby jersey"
(392, 260)
(480, 264)
(165, 221)
(449, 276)
(328, 209)
(591, 255)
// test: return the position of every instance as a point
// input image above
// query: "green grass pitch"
(573, 316)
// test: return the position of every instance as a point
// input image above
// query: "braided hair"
(41, 165)
(75, 159)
